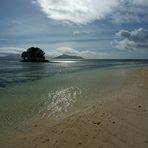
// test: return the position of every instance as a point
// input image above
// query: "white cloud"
(83, 32)
(5, 51)
(67, 50)
(11, 50)
(84, 53)
(132, 40)
(34, 2)
(77, 11)
(86, 11)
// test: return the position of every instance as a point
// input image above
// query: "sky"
(108, 29)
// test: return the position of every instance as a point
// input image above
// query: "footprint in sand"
(36, 138)
(113, 122)
(97, 123)
(35, 146)
(146, 142)
(80, 143)
(35, 125)
(139, 106)
(61, 132)
(46, 140)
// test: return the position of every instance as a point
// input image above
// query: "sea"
(36, 91)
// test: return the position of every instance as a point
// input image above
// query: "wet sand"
(116, 121)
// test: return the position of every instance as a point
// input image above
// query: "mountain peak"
(65, 56)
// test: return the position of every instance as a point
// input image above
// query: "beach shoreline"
(117, 121)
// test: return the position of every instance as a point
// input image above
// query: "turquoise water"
(30, 91)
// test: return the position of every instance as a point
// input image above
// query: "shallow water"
(14, 72)
(38, 91)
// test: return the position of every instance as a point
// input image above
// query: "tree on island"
(33, 54)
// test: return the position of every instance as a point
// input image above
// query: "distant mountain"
(64, 56)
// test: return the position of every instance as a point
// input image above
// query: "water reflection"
(59, 101)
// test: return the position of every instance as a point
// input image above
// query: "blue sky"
(89, 28)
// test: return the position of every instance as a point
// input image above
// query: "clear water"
(12, 72)
(43, 90)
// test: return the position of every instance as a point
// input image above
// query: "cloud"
(131, 11)
(132, 40)
(139, 2)
(84, 32)
(10, 50)
(84, 53)
(90, 54)
(77, 11)
(67, 50)
(87, 11)
(34, 2)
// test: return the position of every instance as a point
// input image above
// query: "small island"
(34, 54)
(69, 57)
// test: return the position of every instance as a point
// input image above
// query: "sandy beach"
(119, 120)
